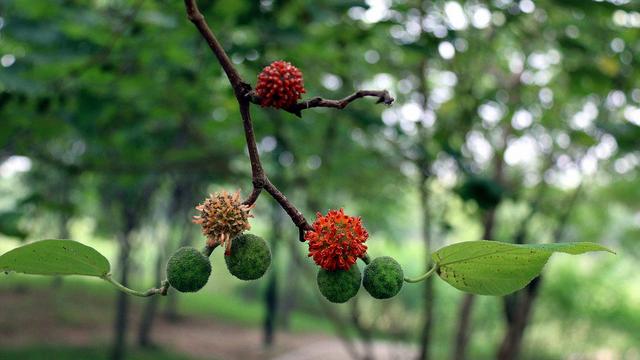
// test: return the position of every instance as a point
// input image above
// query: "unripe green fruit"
(340, 285)
(188, 270)
(250, 257)
(383, 277)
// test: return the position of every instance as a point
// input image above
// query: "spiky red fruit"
(337, 240)
(280, 85)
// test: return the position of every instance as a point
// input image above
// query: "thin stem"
(209, 249)
(424, 276)
(366, 259)
(151, 292)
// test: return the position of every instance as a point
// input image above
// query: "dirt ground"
(41, 317)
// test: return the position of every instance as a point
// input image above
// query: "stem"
(366, 259)
(151, 292)
(209, 249)
(424, 276)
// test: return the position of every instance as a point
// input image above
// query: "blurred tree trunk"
(288, 302)
(519, 309)
(429, 296)
(122, 299)
(271, 292)
(64, 234)
(150, 308)
(463, 331)
(177, 203)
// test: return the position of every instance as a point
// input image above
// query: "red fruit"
(280, 85)
(337, 240)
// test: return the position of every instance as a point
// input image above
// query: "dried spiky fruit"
(223, 217)
(280, 85)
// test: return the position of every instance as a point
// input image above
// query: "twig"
(162, 290)
(296, 109)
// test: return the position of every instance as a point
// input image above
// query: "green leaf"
(495, 268)
(55, 257)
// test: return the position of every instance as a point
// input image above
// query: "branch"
(196, 17)
(245, 96)
(296, 109)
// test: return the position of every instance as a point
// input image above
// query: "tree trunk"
(512, 341)
(518, 310)
(288, 302)
(271, 292)
(122, 300)
(150, 309)
(463, 331)
(429, 296)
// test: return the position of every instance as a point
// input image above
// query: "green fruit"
(340, 285)
(250, 257)
(188, 270)
(383, 277)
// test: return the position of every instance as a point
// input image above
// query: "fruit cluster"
(335, 243)
(336, 240)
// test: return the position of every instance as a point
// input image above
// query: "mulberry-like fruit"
(280, 85)
(383, 278)
(340, 285)
(188, 270)
(250, 257)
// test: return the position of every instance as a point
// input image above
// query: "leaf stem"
(151, 292)
(422, 277)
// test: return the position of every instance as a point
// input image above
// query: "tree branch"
(296, 109)
(196, 17)
(245, 96)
